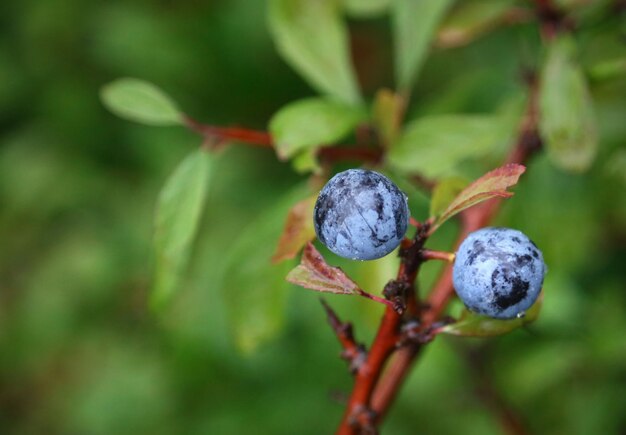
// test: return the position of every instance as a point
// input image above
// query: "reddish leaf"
(490, 185)
(298, 230)
(313, 273)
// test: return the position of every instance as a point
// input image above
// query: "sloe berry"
(498, 272)
(361, 215)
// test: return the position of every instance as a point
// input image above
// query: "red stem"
(247, 136)
(375, 298)
(262, 139)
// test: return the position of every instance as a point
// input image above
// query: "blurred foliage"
(82, 353)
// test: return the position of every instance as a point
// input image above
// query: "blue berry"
(498, 272)
(361, 215)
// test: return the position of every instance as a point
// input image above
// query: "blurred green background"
(81, 353)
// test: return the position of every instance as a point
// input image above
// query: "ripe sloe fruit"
(498, 272)
(361, 215)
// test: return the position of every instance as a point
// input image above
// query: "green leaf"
(310, 123)
(140, 101)
(567, 121)
(444, 193)
(312, 37)
(315, 274)
(475, 325)
(254, 289)
(306, 162)
(472, 19)
(434, 145)
(414, 25)
(366, 8)
(178, 212)
(387, 112)
(492, 184)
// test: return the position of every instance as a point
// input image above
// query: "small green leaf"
(366, 8)
(312, 37)
(444, 193)
(312, 122)
(567, 121)
(492, 184)
(254, 289)
(434, 145)
(472, 19)
(386, 113)
(177, 215)
(414, 25)
(298, 230)
(140, 101)
(315, 274)
(306, 162)
(475, 325)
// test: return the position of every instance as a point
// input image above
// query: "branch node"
(413, 332)
(364, 419)
(396, 292)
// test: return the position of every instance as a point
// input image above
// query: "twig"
(389, 302)
(221, 134)
(354, 353)
(429, 254)
(216, 136)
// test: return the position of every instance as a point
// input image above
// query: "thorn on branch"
(354, 353)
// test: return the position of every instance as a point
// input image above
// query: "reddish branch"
(219, 135)
(216, 136)
(359, 415)
(372, 395)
